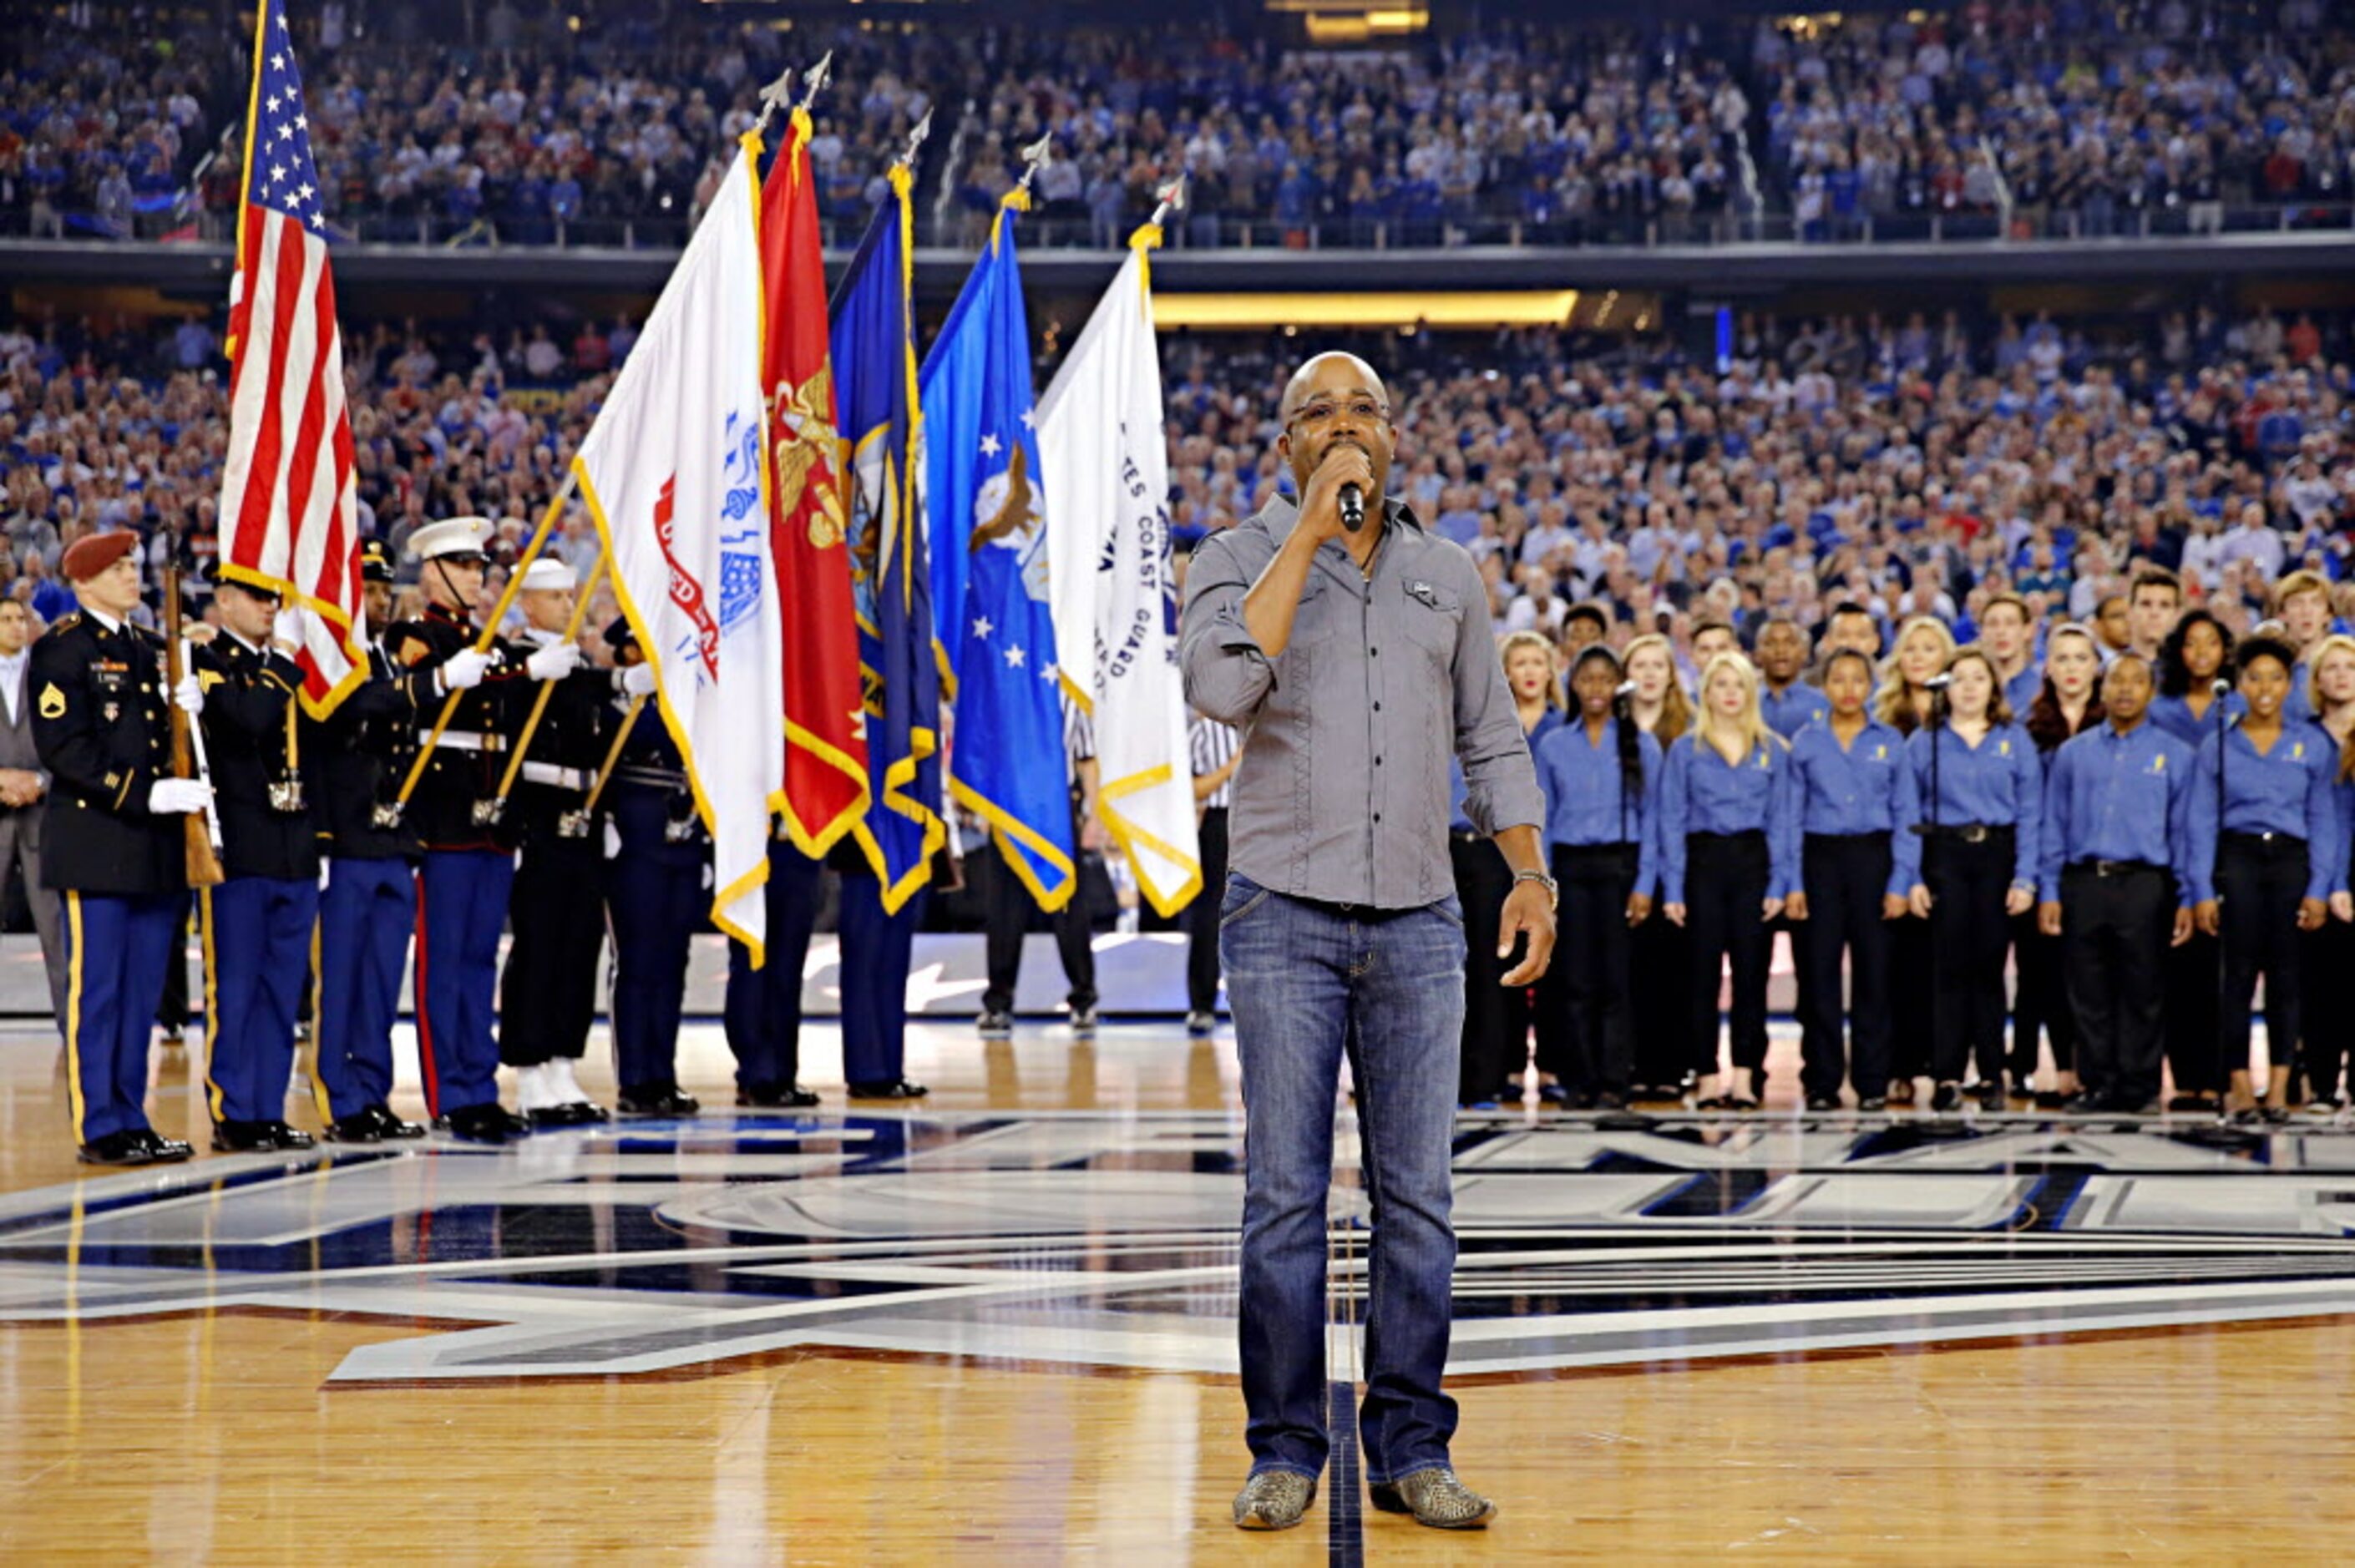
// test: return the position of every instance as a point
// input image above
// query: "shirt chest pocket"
(1325, 610)
(1431, 617)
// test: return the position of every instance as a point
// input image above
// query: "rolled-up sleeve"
(1227, 673)
(1500, 781)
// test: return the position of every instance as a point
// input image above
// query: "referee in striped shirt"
(1217, 749)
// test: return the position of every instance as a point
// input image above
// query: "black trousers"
(1005, 913)
(2260, 883)
(2040, 1006)
(2195, 985)
(1202, 917)
(548, 994)
(1661, 955)
(1725, 886)
(1595, 966)
(2113, 933)
(1493, 1018)
(1969, 930)
(2327, 994)
(1845, 876)
(1912, 960)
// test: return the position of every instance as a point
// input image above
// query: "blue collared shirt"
(2019, 693)
(2287, 790)
(2174, 716)
(1700, 793)
(2116, 796)
(1998, 783)
(1862, 788)
(2299, 708)
(1799, 706)
(1585, 801)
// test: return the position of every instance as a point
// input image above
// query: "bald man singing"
(1353, 651)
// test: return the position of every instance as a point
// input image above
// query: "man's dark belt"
(1596, 852)
(2266, 842)
(2115, 867)
(1746, 836)
(1878, 835)
(1974, 833)
(653, 777)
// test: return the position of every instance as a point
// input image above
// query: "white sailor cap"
(547, 574)
(458, 538)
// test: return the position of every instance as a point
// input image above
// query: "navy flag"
(874, 354)
(1009, 766)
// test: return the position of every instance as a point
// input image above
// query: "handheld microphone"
(2219, 687)
(1353, 508)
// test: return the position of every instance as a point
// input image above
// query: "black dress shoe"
(357, 1127)
(581, 1112)
(774, 1097)
(490, 1123)
(242, 1137)
(163, 1150)
(889, 1089)
(656, 1100)
(116, 1149)
(1872, 1103)
(282, 1136)
(1948, 1097)
(392, 1126)
(1823, 1102)
(1990, 1094)
(1608, 1100)
(2192, 1105)
(2086, 1100)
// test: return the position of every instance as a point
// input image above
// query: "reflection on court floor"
(1108, 1239)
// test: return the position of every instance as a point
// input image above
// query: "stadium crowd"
(2074, 119)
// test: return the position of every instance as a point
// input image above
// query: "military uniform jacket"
(650, 764)
(358, 756)
(102, 724)
(248, 703)
(565, 750)
(466, 767)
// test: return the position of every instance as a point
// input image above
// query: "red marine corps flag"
(289, 516)
(826, 748)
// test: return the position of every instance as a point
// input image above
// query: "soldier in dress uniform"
(548, 996)
(468, 866)
(657, 887)
(112, 850)
(764, 1005)
(356, 757)
(257, 923)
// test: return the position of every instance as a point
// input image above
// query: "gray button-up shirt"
(1342, 795)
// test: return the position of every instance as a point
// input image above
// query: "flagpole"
(496, 807)
(489, 633)
(613, 753)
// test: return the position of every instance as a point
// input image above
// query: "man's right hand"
(1320, 509)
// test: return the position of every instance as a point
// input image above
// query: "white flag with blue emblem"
(675, 473)
(1105, 473)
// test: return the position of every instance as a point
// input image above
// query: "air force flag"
(989, 575)
(675, 473)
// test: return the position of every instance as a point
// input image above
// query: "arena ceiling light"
(1441, 312)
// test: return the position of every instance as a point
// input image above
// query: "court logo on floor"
(1110, 1240)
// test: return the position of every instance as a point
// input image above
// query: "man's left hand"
(1527, 908)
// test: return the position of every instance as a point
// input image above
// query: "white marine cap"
(456, 537)
(547, 574)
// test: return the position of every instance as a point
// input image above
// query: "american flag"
(289, 517)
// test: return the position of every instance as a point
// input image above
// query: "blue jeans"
(1306, 981)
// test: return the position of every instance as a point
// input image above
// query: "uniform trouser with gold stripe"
(257, 958)
(365, 917)
(116, 949)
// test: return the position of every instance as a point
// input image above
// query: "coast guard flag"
(674, 473)
(289, 513)
(1107, 482)
(989, 573)
(875, 387)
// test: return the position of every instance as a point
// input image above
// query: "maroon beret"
(94, 553)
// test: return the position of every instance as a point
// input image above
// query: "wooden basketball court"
(992, 1329)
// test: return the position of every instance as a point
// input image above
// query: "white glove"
(174, 797)
(325, 869)
(554, 661)
(463, 670)
(292, 626)
(612, 839)
(189, 696)
(638, 681)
